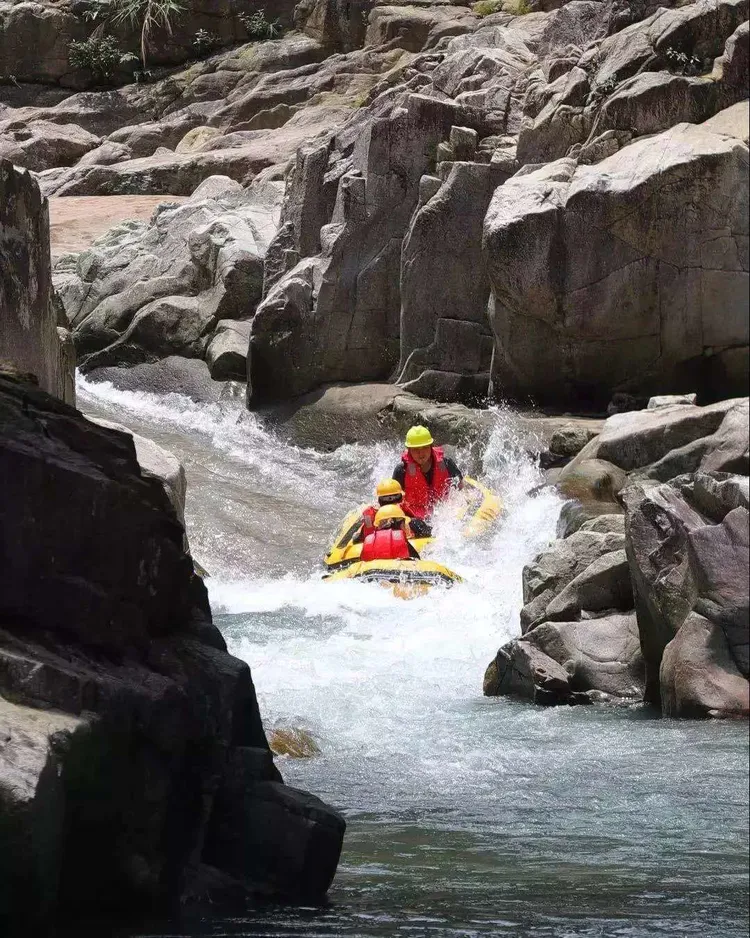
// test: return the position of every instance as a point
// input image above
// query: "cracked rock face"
(626, 273)
(149, 290)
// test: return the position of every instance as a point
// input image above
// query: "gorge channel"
(467, 816)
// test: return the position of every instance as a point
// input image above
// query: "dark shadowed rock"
(32, 334)
(288, 839)
(520, 669)
(139, 714)
(171, 375)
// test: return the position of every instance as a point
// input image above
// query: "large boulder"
(123, 717)
(148, 290)
(555, 568)
(602, 654)
(43, 144)
(335, 316)
(446, 341)
(668, 441)
(654, 304)
(33, 339)
(687, 546)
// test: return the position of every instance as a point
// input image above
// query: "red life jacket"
(385, 545)
(419, 496)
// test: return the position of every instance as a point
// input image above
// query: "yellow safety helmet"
(418, 436)
(388, 513)
(388, 487)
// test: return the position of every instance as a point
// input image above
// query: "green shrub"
(101, 55)
(519, 7)
(258, 27)
(487, 7)
(146, 16)
(204, 41)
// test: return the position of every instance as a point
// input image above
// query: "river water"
(466, 816)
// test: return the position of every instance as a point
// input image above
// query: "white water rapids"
(467, 816)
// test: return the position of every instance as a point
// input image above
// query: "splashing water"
(467, 816)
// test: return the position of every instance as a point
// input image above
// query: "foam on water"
(480, 817)
(362, 669)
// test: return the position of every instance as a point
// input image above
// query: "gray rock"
(520, 669)
(606, 524)
(216, 187)
(718, 556)
(567, 332)
(33, 746)
(33, 339)
(602, 654)
(570, 439)
(656, 440)
(698, 675)
(336, 316)
(553, 569)
(669, 400)
(171, 375)
(156, 462)
(43, 144)
(147, 291)
(604, 584)
(446, 341)
(592, 479)
(575, 515)
(683, 563)
(226, 354)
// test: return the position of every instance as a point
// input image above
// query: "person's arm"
(399, 474)
(454, 472)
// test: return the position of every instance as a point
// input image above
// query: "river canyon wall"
(573, 175)
(134, 769)
(540, 201)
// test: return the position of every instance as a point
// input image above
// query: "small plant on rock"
(487, 7)
(101, 55)
(683, 63)
(147, 16)
(205, 42)
(258, 27)
(519, 7)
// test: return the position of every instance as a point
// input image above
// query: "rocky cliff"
(33, 329)
(133, 764)
(646, 595)
(534, 200)
(134, 770)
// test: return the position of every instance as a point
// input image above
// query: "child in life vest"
(390, 540)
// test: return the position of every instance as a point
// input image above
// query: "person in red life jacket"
(388, 492)
(425, 473)
(390, 539)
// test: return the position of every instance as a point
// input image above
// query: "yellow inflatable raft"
(487, 509)
(409, 578)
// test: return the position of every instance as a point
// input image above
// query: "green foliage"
(258, 27)
(487, 7)
(682, 62)
(146, 15)
(519, 7)
(101, 55)
(204, 41)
